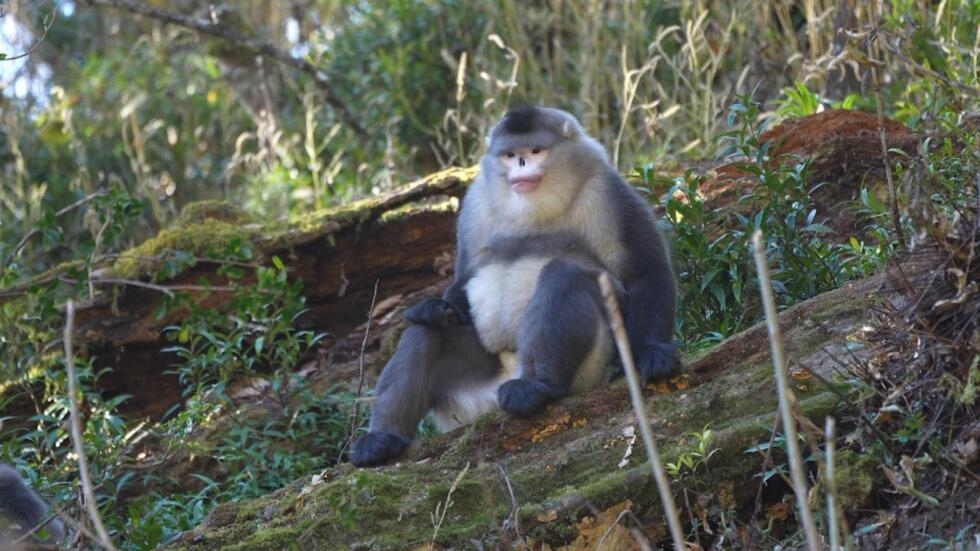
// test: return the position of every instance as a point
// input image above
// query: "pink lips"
(525, 185)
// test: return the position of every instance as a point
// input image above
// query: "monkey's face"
(537, 162)
(529, 186)
(524, 168)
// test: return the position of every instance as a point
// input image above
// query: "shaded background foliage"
(174, 116)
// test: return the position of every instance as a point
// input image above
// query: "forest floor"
(891, 358)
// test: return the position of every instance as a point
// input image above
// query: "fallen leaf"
(777, 511)
(605, 531)
(548, 516)
(798, 374)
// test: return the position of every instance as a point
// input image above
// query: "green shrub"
(712, 248)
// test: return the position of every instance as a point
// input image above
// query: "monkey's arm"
(651, 287)
(435, 312)
(453, 308)
(649, 320)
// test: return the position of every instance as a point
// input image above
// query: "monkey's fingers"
(435, 312)
(375, 448)
(658, 360)
(524, 397)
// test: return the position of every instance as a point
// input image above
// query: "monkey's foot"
(658, 360)
(524, 397)
(435, 312)
(375, 448)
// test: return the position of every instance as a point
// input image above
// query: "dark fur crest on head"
(520, 120)
(529, 127)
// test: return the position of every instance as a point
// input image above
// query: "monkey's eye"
(509, 154)
(536, 150)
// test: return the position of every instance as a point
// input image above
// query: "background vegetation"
(115, 117)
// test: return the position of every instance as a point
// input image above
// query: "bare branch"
(23, 241)
(45, 25)
(259, 47)
(76, 433)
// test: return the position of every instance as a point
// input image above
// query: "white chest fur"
(499, 295)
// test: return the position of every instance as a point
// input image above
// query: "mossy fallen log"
(547, 480)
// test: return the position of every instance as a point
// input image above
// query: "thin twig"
(766, 465)
(354, 416)
(76, 432)
(64, 210)
(923, 71)
(695, 529)
(876, 83)
(442, 508)
(367, 332)
(636, 397)
(56, 275)
(833, 518)
(46, 23)
(165, 289)
(512, 520)
(787, 399)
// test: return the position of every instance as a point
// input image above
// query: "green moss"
(856, 478)
(364, 503)
(331, 218)
(222, 211)
(224, 514)
(273, 538)
(470, 508)
(209, 238)
(209, 228)
(407, 210)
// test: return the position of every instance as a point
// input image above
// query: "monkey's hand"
(657, 360)
(436, 312)
(375, 448)
(524, 397)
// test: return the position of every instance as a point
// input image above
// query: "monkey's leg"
(429, 363)
(559, 336)
(22, 511)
